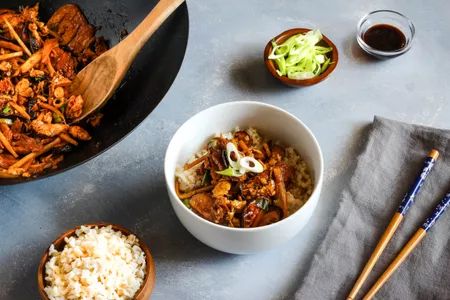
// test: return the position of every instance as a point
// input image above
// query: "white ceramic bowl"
(271, 121)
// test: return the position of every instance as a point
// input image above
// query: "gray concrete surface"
(224, 63)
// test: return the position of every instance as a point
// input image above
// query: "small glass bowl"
(388, 17)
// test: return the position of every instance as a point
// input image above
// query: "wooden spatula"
(97, 82)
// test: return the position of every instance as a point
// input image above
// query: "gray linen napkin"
(392, 158)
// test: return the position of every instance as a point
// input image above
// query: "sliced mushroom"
(281, 190)
(251, 215)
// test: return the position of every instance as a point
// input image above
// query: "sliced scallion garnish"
(230, 171)
(251, 164)
(233, 155)
(238, 165)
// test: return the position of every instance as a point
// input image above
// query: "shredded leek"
(263, 203)
(6, 109)
(299, 57)
(230, 171)
(57, 118)
(6, 121)
(187, 203)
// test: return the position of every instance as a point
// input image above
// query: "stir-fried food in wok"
(38, 62)
(240, 179)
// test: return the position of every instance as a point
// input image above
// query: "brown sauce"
(385, 37)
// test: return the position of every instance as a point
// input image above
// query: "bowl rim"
(318, 180)
(300, 82)
(372, 50)
(150, 274)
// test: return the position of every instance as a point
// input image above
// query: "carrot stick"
(10, 46)
(16, 37)
(67, 138)
(244, 147)
(281, 190)
(33, 155)
(6, 175)
(20, 110)
(53, 109)
(7, 145)
(195, 162)
(31, 62)
(187, 195)
(11, 55)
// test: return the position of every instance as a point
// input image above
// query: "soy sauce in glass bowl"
(385, 37)
(385, 33)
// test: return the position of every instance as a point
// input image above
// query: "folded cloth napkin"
(385, 170)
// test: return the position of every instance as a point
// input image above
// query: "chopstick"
(406, 203)
(410, 245)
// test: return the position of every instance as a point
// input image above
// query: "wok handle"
(133, 43)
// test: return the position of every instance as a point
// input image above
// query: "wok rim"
(24, 180)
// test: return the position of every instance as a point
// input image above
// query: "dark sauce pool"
(385, 37)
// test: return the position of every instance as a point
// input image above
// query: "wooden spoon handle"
(133, 43)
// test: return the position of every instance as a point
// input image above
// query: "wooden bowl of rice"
(146, 286)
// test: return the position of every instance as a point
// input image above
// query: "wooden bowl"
(333, 55)
(149, 281)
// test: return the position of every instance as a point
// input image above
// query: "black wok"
(147, 82)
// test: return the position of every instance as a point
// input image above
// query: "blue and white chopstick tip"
(408, 200)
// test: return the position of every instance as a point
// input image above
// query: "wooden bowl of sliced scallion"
(300, 57)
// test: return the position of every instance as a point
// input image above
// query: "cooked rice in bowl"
(243, 179)
(95, 263)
